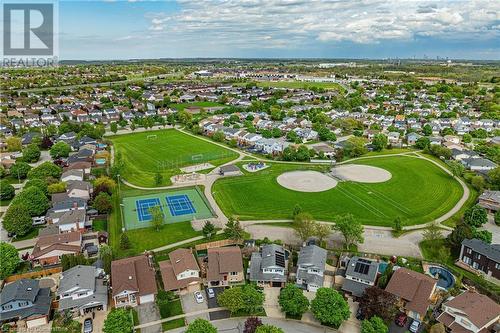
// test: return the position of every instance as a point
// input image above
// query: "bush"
(7, 191)
(57, 188)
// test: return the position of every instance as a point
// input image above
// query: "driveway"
(271, 305)
(212, 303)
(393, 328)
(189, 305)
(351, 325)
(147, 313)
(493, 228)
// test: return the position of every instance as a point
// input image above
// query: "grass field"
(298, 85)
(169, 151)
(418, 192)
(202, 104)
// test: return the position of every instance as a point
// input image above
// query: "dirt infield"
(361, 173)
(306, 181)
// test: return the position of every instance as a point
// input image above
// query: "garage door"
(276, 284)
(193, 288)
(147, 299)
(36, 322)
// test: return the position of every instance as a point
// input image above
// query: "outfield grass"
(169, 151)
(418, 192)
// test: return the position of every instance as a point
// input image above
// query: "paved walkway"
(194, 313)
(148, 313)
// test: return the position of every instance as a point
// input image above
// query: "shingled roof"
(133, 274)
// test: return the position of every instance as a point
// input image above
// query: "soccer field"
(418, 192)
(164, 151)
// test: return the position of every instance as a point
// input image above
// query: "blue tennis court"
(143, 206)
(180, 205)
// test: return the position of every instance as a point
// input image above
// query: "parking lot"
(189, 304)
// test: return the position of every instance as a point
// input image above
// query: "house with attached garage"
(79, 189)
(480, 257)
(133, 281)
(478, 164)
(25, 303)
(224, 266)
(72, 175)
(269, 266)
(82, 290)
(49, 249)
(490, 200)
(470, 312)
(311, 267)
(71, 220)
(181, 273)
(360, 273)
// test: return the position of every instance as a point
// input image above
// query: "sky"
(106, 30)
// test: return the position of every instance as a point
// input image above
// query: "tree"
(156, 217)
(457, 168)
(268, 329)
(233, 229)
(427, 129)
(102, 203)
(304, 226)
(158, 179)
(31, 153)
(475, 216)
(251, 324)
(57, 187)
(379, 142)
(422, 142)
(329, 307)
(484, 235)
(13, 143)
(292, 301)
(433, 232)
(17, 219)
(374, 325)
(218, 136)
(244, 298)
(20, 170)
(494, 177)
(106, 255)
(208, 229)
(34, 200)
(350, 228)
(296, 210)
(462, 231)
(104, 184)
(397, 224)
(378, 302)
(355, 146)
(478, 183)
(497, 217)
(118, 321)
(322, 231)
(46, 170)
(39, 183)
(60, 149)
(9, 257)
(200, 326)
(124, 242)
(437, 328)
(114, 127)
(7, 191)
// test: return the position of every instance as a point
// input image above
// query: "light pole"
(121, 205)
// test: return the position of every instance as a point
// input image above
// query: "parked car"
(360, 315)
(401, 319)
(198, 297)
(415, 325)
(210, 293)
(87, 326)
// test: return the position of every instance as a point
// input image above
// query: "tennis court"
(178, 205)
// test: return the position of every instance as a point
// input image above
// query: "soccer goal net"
(151, 137)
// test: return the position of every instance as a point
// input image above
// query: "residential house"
(490, 200)
(480, 257)
(82, 289)
(414, 291)
(181, 272)
(269, 266)
(79, 189)
(393, 137)
(224, 266)
(478, 164)
(360, 274)
(311, 267)
(469, 312)
(70, 175)
(412, 138)
(68, 221)
(49, 249)
(133, 281)
(25, 300)
(61, 202)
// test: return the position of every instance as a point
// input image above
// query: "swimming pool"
(446, 280)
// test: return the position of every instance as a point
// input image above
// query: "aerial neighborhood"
(350, 197)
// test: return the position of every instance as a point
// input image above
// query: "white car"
(210, 293)
(198, 297)
(414, 326)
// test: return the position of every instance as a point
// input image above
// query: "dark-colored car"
(360, 315)
(401, 319)
(87, 326)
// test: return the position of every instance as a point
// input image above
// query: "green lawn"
(202, 104)
(169, 151)
(418, 192)
(100, 225)
(170, 309)
(172, 324)
(31, 234)
(298, 85)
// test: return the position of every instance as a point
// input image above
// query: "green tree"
(457, 168)
(233, 229)
(497, 217)
(103, 203)
(218, 136)
(296, 210)
(157, 217)
(17, 220)
(494, 177)
(304, 226)
(57, 187)
(268, 329)
(484, 235)
(437, 328)
(475, 216)
(397, 224)
(292, 301)
(462, 231)
(322, 231)
(208, 229)
(46, 170)
(200, 326)
(39, 183)
(379, 142)
(374, 325)
(20, 170)
(118, 321)
(355, 147)
(33, 199)
(244, 299)
(13, 143)
(433, 232)
(427, 130)
(423, 143)
(104, 184)
(9, 257)
(478, 183)
(124, 242)
(60, 149)
(7, 191)
(350, 228)
(158, 179)
(31, 153)
(329, 307)
(114, 127)
(106, 255)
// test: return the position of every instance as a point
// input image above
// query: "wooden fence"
(35, 274)
(219, 243)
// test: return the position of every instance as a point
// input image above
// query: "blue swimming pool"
(446, 280)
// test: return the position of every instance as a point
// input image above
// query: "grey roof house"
(360, 274)
(82, 289)
(269, 266)
(311, 267)
(25, 300)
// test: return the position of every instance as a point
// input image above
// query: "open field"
(418, 192)
(170, 150)
(201, 104)
(298, 85)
